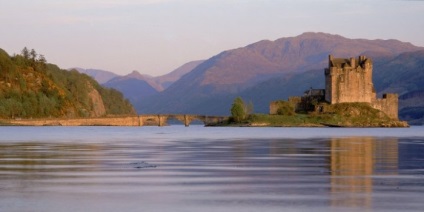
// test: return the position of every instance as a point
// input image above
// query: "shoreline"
(267, 121)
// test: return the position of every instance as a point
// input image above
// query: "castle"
(346, 81)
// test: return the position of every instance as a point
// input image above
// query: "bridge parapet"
(140, 120)
(186, 119)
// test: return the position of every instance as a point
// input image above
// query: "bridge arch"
(186, 119)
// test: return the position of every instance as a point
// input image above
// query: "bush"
(238, 112)
(285, 108)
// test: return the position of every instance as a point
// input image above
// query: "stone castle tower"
(350, 80)
(346, 81)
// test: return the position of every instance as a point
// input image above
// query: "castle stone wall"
(349, 80)
(388, 104)
(346, 81)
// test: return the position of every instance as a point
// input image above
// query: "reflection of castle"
(346, 81)
(353, 161)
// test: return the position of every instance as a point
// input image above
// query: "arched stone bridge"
(162, 119)
(139, 120)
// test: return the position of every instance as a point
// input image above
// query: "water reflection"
(48, 157)
(354, 161)
(211, 174)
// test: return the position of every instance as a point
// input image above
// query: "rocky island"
(348, 100)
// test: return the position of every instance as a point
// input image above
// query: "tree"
(33, 54)
(25, 53)
(42, 59)
(6, 66)
(51, 92)
(248, 108)
(285, 108)
(238, 110)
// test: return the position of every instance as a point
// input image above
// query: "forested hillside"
(32, 88)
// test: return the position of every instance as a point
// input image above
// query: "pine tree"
(25, 53)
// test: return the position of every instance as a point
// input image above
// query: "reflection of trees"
(353, 162)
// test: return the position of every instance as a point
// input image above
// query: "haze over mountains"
(136, 86)
(270, 70)
(100, 76)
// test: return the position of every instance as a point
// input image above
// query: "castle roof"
(314, 92)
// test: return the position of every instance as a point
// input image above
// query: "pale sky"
(156, 36)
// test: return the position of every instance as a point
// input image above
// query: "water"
(211, 169)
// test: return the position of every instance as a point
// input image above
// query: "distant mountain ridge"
(210, 87)
(237, 69)
(268, 70)
(136, 86)
(168, 79)
(100, 76)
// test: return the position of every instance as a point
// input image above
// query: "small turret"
(362, 58)
(352, 62)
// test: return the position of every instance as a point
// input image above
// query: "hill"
(136, 87)
(32, 88)
(211, 86)
(168, 79)
(405, 75)
(100, 76)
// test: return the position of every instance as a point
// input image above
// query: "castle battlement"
(349, 80)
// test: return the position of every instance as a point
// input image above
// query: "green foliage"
(31, 88)
(278, 120)
(238, 112)
(355, 110)
(344, 114)
(25, 53)
(285, 108)
(115, 102)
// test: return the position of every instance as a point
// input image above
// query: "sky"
(156, 36)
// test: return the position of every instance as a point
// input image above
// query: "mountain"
(100, 76)
(412, 107)
(402, 74)
(136, 87)
(210, 87)
(166, 80)
(32, 88)
(405, 75)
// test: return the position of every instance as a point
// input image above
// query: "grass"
(279, 120)
(344, 114)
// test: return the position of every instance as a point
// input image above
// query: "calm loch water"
(210, 169)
